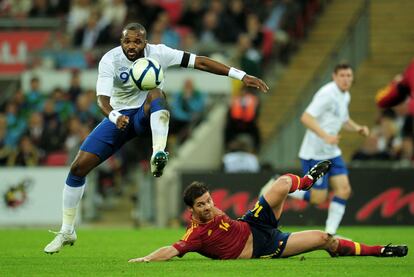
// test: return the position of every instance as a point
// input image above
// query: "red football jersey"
(220, 238)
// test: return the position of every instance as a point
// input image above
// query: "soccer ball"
(146, 73)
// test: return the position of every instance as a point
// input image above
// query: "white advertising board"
(31, 196)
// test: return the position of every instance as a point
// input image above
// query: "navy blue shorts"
(338, 167)
(106, 138)
(268, 240)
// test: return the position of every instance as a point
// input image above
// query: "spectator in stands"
(192, 15)
(240, 156)
(247, 57)
(94, 33)
(189, 42)
(16, 124)
(224, 22)
(114, 13)
(242, 117)
(161, 29)
(83, 110)
(62, 106)
(384, 142)
(254, 30)
(75, 87)
(35, 129)
(407, 151)
(15, 8)
(144, 11)
(53, 135)
(77, 133)
(5, 148)
(79, 13)
(41, 8)
(34, 96)
(237, 16)
(209, 32)
(25, 155)
(187, 109)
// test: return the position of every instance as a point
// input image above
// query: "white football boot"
(59, 241)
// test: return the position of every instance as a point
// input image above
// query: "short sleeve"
(171, 56)
(105, 81)
(191, 242)
(320, 103)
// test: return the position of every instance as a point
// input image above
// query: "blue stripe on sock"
(307, 195)
(158, 104)
(339, 200)
(75, 181)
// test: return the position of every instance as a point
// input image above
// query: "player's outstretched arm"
(352, 126)
(212, 66)
(161, 254)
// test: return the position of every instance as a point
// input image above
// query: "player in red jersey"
(213, 234)
(398, 90)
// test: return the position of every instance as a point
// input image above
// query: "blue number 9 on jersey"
(146, 73)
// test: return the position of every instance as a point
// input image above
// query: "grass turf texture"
(105, 252)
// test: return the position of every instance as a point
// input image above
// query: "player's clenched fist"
(122, 122)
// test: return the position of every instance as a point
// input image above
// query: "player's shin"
(159, 120)
(335, 214)
(351, 248)
(72, 194)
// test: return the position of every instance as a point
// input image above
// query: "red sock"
(298, 183)
(351, 248)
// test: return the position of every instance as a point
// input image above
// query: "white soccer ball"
(146, 73)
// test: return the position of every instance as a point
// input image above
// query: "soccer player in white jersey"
(130, 112)
(325, 116)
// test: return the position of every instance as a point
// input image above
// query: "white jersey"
(329, 107)
(114, 80)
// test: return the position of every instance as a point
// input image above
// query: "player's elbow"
(304, 118)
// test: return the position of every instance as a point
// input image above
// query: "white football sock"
(71, 199)
(298, 194)
(159, 121)
(335, 213)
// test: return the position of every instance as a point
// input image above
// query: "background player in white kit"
(130, 112)
(325, 116)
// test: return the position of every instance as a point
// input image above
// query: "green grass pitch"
(105, 252)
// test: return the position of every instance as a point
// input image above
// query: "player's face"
(343, 79)
(133, 44)
(203, 208)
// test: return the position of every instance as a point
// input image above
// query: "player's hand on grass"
(139, 260)
(252, 81)
(122, 122)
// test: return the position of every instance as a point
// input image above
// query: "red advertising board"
(380, 197)
(16, 46)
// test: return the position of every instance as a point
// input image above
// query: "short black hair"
(341, 66)
(193, 191)
(134, 26)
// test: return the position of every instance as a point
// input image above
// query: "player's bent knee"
(154, 94)
(344, 191)
(283, 183)
(76, 169)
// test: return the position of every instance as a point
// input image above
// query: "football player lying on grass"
(213, 234)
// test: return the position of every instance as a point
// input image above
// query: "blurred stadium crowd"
(46, 127)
